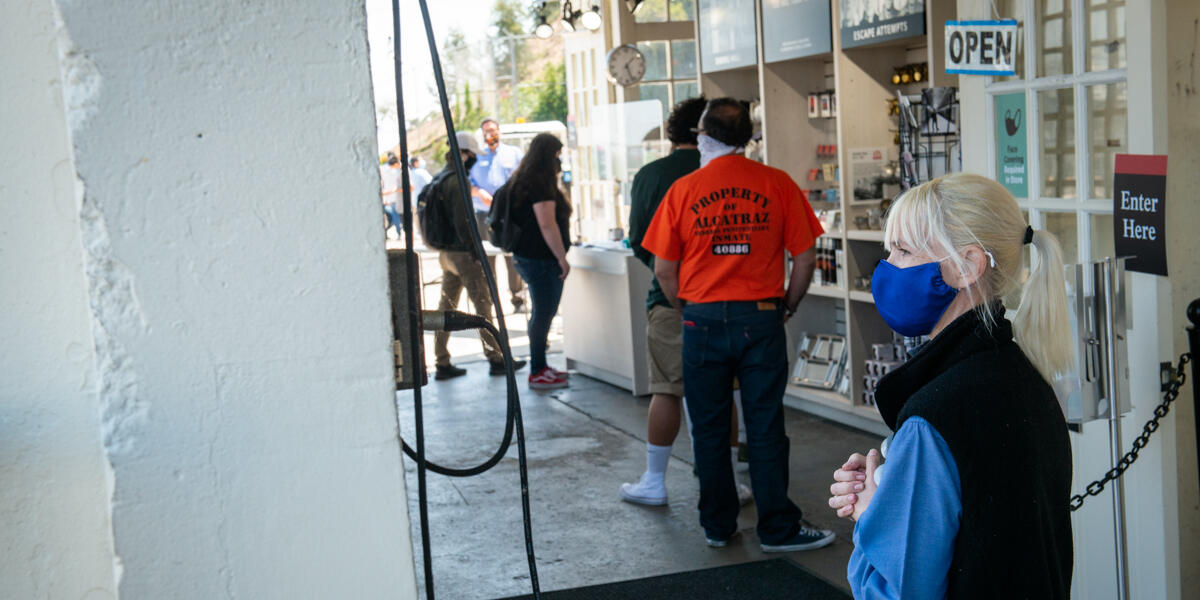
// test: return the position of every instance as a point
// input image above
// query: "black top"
(1006, 431)
(649, 186)
(532, 244)
(459, 215)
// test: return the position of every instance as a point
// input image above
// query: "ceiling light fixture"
(591, 19)
(570, 16)
(543, 29)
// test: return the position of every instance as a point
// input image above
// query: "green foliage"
(467, 112)
(549, 100)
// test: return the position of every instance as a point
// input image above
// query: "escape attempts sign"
(865, 23)
(1140, 211)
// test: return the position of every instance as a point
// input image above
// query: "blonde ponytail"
(1042, 326)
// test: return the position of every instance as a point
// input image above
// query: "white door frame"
(1152, 511)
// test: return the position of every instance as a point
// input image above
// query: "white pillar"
(223, 162)
(54, 504)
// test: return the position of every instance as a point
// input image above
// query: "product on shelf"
(820, 360)
(828, 269)
(884, 358)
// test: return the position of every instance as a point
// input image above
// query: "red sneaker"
(563, 374)
(547, 379)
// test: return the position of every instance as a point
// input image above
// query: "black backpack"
(433, 215)
(503, 231)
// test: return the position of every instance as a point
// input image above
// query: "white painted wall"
(56, 540)
(233, 274)
(1183, 254)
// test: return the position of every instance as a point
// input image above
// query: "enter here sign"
(1140, 211)
(981, 47)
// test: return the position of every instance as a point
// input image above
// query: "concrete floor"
(583, 442)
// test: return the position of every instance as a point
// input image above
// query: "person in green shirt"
(663, 328)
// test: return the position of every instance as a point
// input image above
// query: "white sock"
(737, 399)
(656, 459)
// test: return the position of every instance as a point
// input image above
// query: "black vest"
(1009, 440)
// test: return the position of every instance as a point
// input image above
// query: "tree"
(466, 112)
(550, 99)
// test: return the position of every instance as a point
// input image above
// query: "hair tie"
(1028, 235)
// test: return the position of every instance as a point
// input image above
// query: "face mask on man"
(711, 148)
(911, 300)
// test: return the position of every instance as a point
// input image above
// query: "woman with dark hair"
(542, 213)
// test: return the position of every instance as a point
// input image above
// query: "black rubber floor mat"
(768, 579)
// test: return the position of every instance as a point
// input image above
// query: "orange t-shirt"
(728, 225)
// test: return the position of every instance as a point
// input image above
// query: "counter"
(604, 316)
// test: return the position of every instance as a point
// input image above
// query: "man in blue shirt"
(493, 166)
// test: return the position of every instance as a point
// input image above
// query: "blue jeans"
(723, 340)
(545, 291)
(394, 219)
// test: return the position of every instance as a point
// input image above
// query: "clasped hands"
(854, 485)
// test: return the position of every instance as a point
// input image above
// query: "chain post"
(1177, 378)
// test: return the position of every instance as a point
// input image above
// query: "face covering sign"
(981, 47)
(1010, 143)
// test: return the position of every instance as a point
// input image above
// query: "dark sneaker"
(448, 372)
(497, 368)
(715, 543)
(807, 538)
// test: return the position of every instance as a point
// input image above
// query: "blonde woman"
(974, 500)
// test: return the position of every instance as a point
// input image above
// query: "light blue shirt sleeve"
(904, 541)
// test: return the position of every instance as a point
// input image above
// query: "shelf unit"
(861, 79)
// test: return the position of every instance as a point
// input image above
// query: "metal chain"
(1177, 380)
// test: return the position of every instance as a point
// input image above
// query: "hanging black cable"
(414, 307)
(513, 413)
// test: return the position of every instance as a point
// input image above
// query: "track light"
(591, 19)
(634, 5)
(570, 16)
(543, 30)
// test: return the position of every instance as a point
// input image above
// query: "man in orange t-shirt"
(719, 238)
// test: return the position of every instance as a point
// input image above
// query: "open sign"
(981, 47)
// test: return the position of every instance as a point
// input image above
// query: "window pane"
(1105, 34)
(683, 10)
(1109, 128)
(685, 90)
(657, 91)
(683, 59)
(1058, 143)
(1102, 236)
(1015, 9)
(1054, 37)
(656, 60)
(1062, 225)
(651, 11)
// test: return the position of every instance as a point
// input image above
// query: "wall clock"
(626, 65)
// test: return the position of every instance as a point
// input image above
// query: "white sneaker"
(649, 490)
(745, 495)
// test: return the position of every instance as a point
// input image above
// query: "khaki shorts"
(664, 342)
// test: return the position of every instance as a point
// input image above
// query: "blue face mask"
(911, 300)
